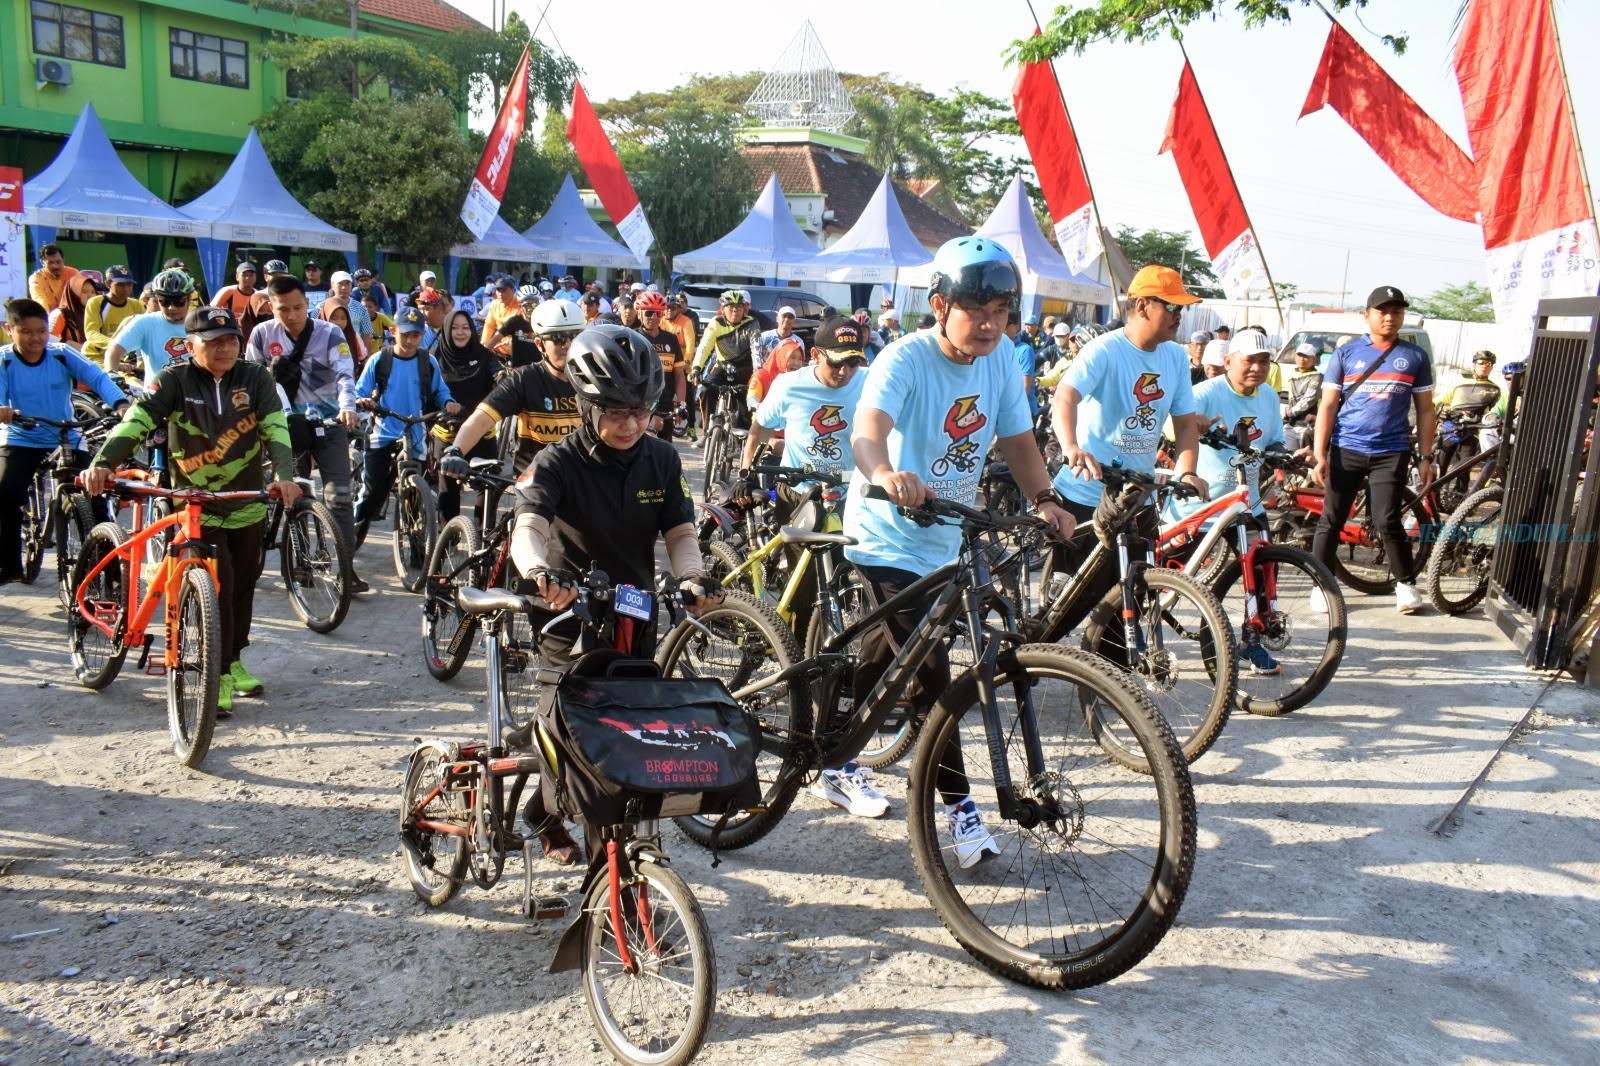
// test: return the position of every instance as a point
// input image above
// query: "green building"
(176, 83)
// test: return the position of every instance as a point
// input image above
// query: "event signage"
(1053, 145)
(606, 176)
(13, 257)
(488, 186)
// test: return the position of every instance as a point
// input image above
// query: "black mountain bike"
(57, 513)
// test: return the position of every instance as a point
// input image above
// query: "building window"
(76, 34)
(211, 59)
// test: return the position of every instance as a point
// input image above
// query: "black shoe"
(12, 577)
(359, 585)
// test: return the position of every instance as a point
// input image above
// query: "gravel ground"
(255, 910)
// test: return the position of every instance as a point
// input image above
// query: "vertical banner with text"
(606, 176)
(1053, 146)
(488, 186)
(13, 257)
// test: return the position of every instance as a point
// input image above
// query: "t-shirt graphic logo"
(827, 421)
(1246, 426)
(175, 347)
(1146, 391)
(960, 423)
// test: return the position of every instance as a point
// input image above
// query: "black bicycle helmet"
(614, 367)
(976, 269)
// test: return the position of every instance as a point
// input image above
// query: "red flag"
(1224, 225)
(1047, 129)
(1405, 137)
(488, 186)
(606, 176)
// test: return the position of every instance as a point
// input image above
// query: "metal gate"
(1543, 571)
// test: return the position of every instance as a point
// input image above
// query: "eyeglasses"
(618, 416)
(173, 301)
(650, 314)
(558, 338)
(850, 361)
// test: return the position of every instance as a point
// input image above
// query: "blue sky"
(1315, 192)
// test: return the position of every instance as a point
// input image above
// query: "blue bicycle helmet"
(976, 269)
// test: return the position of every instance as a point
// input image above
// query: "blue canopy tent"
(875, 250)
(250, 205)
(768, 236)
(87, 187)
(567, 236)
(499, 241)
(1044, 272)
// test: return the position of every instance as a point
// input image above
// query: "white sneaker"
(848, 788)
(1406, 598)
(1319, 602)
(973, 842)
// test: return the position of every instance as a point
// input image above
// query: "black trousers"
(1383, 475)
(449, 488)
(238, 568)
(17, 468)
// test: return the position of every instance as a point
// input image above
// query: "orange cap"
(1161, 283)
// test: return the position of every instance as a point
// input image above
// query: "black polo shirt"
(545, 406)
(604, 509)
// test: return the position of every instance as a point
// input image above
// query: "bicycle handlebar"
(1118, 477)
(410, 420)
(128, 487)
(937, 509)
(1282, 460)
(35, 421)
(798, 473)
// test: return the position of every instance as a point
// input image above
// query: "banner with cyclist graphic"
(13, 256)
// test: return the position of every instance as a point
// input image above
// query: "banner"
(1224, 226)
(13, 256)
(606, 176)
(488, 186)
(1538, 226)
(1403, 135)
(1047, 129)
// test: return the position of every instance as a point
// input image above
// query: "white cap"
(427, 275)
(888, 314)
(787, 310)
(1061, 329)
(1215, 354)
(1307, 349)
(341, 275)
(1248, 342)
(637, 286)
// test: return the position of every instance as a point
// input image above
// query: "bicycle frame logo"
(828, 420)
(1146, 391)
(960, 423)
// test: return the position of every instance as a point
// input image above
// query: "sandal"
(559, 847)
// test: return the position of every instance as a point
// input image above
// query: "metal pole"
(1344, 280)
(1572, 114)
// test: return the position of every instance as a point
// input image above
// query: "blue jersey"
(1375, 419)
(945, 418)
(45, 391)
(158, 341)
(814, 418)
(1028, 365)
(402, 395)
(1128, 394)
(1258, 417)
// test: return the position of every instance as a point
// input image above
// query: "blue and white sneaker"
(847, 787)
(972, 841)
(1261, 663)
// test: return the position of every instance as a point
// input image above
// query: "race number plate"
(635, 603)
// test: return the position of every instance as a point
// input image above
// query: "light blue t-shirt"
(401, 395)
(1260, 416)
(814, 418)
(1128, 393)
(945, 418)
(158, 341)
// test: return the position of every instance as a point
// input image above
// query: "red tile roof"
(432, 14)
(847, 182)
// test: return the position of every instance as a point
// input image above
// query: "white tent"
(1044, 271)
(876, 249)
(768, 239)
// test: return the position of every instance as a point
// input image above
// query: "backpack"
(425, 383)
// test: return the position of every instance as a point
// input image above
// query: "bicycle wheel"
(721, 559)
(1307, 646)
(435, 862)
(655, 1007)
(899, 730)
(747, 642)
(316, 566)
(716, 443)
(1185, 663)
(1365, 566)
(97, 658)
(1084, 892)
(39, 523)
(447, 632)
(416, 519)
(192, 680)
(73, 521)
(1458, 569)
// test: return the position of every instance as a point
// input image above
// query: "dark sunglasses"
(852, 360)
(173, 301)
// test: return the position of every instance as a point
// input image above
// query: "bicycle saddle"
(488, 601)
(796, 535)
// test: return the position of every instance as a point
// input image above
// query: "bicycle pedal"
(545, 908)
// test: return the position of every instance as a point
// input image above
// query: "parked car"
(1326, 338)
(809, 308)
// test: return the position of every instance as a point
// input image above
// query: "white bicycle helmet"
(557, 316)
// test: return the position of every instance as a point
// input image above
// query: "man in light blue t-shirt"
(814, 406)
(933, 403)
(157, 336)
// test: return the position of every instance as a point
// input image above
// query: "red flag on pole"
(1053, 145)
(488, 186)
(606, 176)
(1405, 137)
(1538, 223)
(1224, 225)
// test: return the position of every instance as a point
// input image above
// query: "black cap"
(209, 323)
(841, 336)
(1386, 294)
(591, 297)
(247, 265)
(505, 282)
(311, 264)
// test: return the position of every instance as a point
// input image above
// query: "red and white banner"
(1420, 153)
(1538, 224)
(1047, 129)
(606, 176)
(13, 256)
(488, 186)
(1224, 226)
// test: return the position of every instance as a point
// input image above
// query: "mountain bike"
(56, 512)
(470, 552)
(724, 440)
(1360, 559)
(639, 937)
(110, 615)
(314, 558)
(416, 504)
(1094, 859)
(1460, 563)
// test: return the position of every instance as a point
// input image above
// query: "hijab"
(469, 369)
(358, 350)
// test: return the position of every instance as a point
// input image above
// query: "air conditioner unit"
(52, 72)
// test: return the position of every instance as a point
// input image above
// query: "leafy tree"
(899, 136)
(360, 67)
(487, 60)
(691, 179)
(640, 116)
(1074, 29)
(1170, 248)
(534, 180)
(1466, 302)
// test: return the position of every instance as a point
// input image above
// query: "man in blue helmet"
(932, 406)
